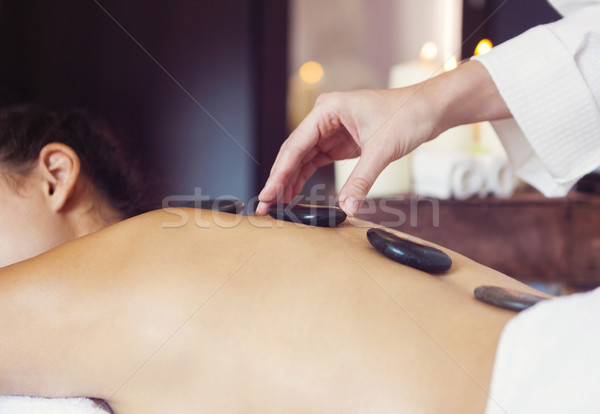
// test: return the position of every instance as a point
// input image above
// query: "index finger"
(299, 143)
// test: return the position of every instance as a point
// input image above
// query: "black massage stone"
(322, 216)
(224, 205)
(506, 298)
(409, 253)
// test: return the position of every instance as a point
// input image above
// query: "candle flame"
(429, 51)
(311, 72)
(484, 46)
(450, 63)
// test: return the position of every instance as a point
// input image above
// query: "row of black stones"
(407, 252)
(402, 250)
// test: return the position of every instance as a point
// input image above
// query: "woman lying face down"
(63, 176)
(224, 313)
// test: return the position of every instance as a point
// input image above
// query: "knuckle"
(361, 184)
(328, 121)
(322, 98)
(284, 145)
(328, 98)
(295, 150)
(281, 173)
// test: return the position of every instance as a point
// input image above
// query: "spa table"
(527, 236)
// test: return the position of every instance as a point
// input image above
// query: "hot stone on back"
(506, 298)
(321, 216)
(409, 253)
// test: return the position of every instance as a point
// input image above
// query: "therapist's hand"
(379, 126)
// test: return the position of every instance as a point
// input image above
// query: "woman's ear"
(60, 167)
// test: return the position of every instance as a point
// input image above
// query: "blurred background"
(193, 85)
(206, 92)
(201, 87)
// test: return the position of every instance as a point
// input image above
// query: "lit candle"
(304, 88)
(485, 138)
(415, 71)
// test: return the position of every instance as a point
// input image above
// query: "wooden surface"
(529, 237)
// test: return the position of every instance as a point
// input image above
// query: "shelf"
(527, 236)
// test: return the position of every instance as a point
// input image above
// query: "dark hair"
(26, 129)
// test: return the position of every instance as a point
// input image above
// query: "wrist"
(463, 96)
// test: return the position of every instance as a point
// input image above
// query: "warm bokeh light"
(484, 46)
(311, 72)
(450, 63)
(429, 51)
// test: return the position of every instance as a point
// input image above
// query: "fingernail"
(351, 206)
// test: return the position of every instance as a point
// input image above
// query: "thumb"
(359, 183)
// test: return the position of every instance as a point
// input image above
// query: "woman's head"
(64, 175)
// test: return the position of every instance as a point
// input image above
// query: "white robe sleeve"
(548, 359)
(549, 78)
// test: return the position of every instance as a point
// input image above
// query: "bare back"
(229, 313)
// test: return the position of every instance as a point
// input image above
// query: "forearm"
(463, 96)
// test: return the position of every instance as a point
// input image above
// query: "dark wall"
(500, 20)
(72, 53)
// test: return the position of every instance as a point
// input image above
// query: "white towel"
(500, 179)
(36, 405)
(445, 174)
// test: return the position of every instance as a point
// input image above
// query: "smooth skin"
(380, 126)
(158, 314)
